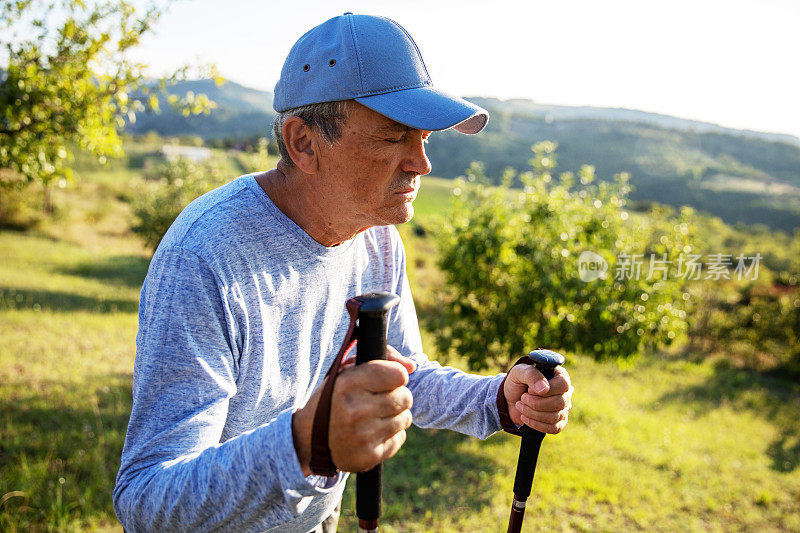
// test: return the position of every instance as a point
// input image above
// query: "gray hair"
(327, 117)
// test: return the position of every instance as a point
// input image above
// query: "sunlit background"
(661, 255)
(726, 62)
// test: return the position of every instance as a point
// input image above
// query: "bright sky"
(729, 62)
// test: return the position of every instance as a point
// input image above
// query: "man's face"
(373, 172)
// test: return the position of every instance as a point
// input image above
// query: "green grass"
(663, 446)
(68, 303)
(668, 443)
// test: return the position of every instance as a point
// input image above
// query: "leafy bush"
(511, 263)
(166, 191)
(755, 326)
(755, 323)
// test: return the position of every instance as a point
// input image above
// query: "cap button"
(348, 13)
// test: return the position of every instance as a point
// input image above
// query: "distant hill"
(741, 176)
(617, 114)
(241, 112)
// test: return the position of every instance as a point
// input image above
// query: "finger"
(393, 445)
(529, 377)
(393, 402)
(378, 376)
(547, 403)
(543, 427)
(365, 407)
(560, 383)
(545, 417)
(394, 355)
(385, 428)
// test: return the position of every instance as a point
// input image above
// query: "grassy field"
(668, 443)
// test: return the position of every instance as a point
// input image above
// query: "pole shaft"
(526, 465)
(371, 345)
(517, 514)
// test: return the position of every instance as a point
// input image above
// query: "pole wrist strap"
(321, 462)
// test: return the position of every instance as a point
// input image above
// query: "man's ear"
(300, 143)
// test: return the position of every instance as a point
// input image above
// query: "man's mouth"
(409, 189)
(408, 194)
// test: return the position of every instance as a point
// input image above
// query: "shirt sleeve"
(444, 397)
(175, 472)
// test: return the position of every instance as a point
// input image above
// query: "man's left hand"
(533, 400)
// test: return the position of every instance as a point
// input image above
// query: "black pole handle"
(371, 345)
(545, 362)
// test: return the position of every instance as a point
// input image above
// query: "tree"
(512, 263)
(70, 83)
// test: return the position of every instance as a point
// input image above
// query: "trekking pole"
(545, 362)
(371, 335)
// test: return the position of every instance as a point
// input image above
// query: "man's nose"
(416, 160)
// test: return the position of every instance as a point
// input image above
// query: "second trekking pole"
(545, 362)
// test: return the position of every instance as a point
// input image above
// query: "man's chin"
(401, 215)
(409, 214)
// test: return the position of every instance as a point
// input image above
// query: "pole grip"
(371, 345)
(529, 448)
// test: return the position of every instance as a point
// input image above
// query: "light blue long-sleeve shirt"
(240, 317)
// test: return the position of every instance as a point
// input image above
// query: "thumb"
(528, 377)
(393, 355)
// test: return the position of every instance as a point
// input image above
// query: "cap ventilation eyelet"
(306, 67)
(332, 62)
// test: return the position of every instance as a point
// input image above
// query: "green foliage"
(166, 191)
(511, 262)
(70, 83)
(756, 326)
(751, 322)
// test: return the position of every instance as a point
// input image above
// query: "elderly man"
(242, 310)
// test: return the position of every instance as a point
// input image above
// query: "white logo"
(591, 266)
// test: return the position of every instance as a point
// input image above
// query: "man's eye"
(394, 141)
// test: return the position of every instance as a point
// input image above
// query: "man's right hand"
(370, 411)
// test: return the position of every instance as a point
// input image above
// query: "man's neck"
(293, 194)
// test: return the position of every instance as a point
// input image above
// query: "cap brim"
(426, 108)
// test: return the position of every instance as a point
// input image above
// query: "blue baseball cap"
(375, 62)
